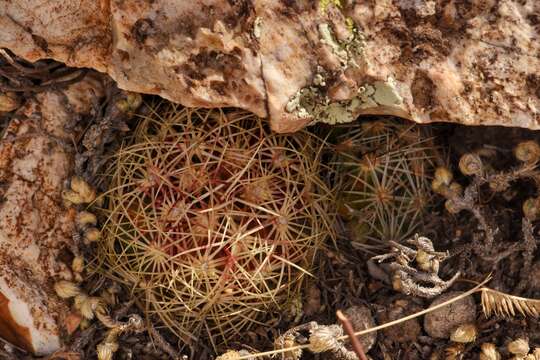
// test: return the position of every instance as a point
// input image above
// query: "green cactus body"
(383, 172)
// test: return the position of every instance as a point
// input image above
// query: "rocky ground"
(346, 276)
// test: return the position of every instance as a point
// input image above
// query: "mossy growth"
(212, 220)
(383, 172)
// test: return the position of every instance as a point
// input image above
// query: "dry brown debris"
(410, 280)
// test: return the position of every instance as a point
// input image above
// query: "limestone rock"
(305, 60)
(36, 159)
(440, 323)
(361, 318)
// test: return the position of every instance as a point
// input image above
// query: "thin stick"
(355, 343)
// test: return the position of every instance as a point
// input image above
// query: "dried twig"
(161, 343)
(41, 76)
(355, 343)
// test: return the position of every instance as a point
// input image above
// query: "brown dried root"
(409, 280)
(17, 75)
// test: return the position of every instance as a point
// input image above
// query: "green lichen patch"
(311, 102)
(324, 4)
(346, 51)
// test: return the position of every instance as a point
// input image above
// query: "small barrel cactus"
(212, 220)
(383, 169)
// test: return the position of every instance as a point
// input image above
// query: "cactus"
(212, 220)
(383, 172)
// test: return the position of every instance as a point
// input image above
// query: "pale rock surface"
(298, 61)
(36, 160)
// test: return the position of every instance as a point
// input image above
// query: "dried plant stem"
(355, 343)
(161, 343)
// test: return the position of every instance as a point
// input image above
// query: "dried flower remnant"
(464, 333)
(66, 289)
(488, 351)
(518, 347)
(321, 339)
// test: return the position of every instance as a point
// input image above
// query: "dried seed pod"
(229, 355)
(92, 235)
(464, 333)
(80, 186)
(8, 101)
(286, 341)
(454, 351)
(518, 347)
(470, 164)
(66, 289)
(77, 264)
(105, 351)
(531, 208)
(324, 338)
(233, 355)
(443, 175)
(489, 352)
(422, 258)
(72, 197)
(130, 103)
(438, 186)
(455, 189)
(64, 272)
(527, 152)
(427, 262)
(451, 206)
(87, 305)
(86, 218)
(134, 100)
